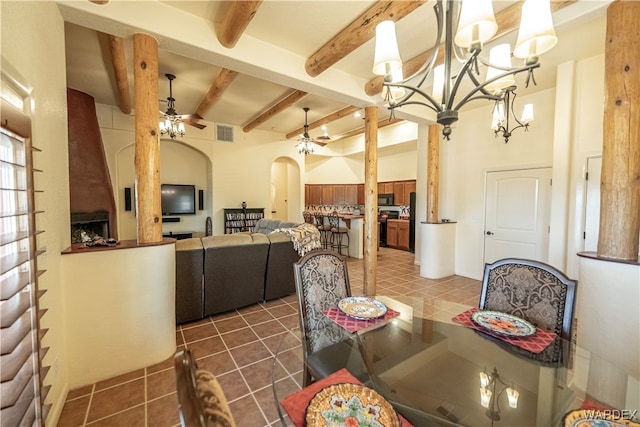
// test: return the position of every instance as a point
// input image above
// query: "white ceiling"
(270, 54)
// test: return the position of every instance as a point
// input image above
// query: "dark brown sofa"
(220, 273)
(234, 270)
(279, 280)
(189, 290)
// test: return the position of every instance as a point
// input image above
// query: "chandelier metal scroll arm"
(481, 86)
(405, 101)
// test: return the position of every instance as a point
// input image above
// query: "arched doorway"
(286, 195)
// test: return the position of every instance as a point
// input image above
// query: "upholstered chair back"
(322, 281)
(201, 401)
(531, 290)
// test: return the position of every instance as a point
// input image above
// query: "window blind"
(21, 372)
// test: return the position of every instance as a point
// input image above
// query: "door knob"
(489, 233)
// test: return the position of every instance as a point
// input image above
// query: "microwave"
(385, 199)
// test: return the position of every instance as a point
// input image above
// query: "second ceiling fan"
(305, 141)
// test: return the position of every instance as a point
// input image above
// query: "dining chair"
(534, 291)
(201, 401)
(322, 280)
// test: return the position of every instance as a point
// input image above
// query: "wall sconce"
(488, 397)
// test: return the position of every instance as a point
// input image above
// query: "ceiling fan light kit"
(305, 143)
(476, 25)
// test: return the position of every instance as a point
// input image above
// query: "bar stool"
(323, 229)
(337, 234)
(308, 217)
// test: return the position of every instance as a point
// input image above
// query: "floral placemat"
(296, 403)
(534, 343)
(352, 324)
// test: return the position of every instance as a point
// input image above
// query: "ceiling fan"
(305, 141)
(173, 123)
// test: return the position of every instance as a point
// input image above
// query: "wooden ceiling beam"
(381, 123)
(119, 64)
(508, 20)
(219, 85)
(358, 32)
(324, 120)
(286, 102)
(235, 21)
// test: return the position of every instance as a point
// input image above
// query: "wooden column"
(147, 150)
(370, 199)
(620, 180)
(433, 173)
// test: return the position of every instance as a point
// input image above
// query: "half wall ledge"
(119, 309)
(594, 255)
(122, 244)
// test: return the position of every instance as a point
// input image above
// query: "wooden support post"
(147, 149)
(433, 173)
(370, 200)
(620, 179)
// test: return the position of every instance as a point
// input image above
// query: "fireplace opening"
(87, 227)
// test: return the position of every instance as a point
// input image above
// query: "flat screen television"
(178, 199)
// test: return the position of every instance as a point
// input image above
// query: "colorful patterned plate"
(350, 405)
(364, 308)
(503, 323)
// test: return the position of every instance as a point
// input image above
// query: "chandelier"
(490, 399)
(502, 112)
(476, 25)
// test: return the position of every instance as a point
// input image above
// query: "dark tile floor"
(238, 347)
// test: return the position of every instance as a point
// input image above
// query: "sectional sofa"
(220, 273)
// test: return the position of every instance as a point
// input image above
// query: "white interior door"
(592, 204)
(517, 214)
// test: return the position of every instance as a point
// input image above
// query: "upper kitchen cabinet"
(401, 191)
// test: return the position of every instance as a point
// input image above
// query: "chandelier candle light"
(476, 25)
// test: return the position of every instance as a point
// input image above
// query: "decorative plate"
(596, 418)
(503, 323)
(364, 308)
(350, 405)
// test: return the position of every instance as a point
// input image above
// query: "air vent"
(224, 133)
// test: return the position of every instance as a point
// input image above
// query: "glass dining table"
(436, 372)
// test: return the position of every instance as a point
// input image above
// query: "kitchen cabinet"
(315, 195)
(360, 197)
(385, 188)
(392, 233)
(409, 187)
(338, 195)
(327, 195)
(401, 190)
(351, 194)
(398, 234)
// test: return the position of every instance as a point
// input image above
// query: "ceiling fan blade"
(194, 124)
(324, 137)
(320, 143)
(190, 116)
